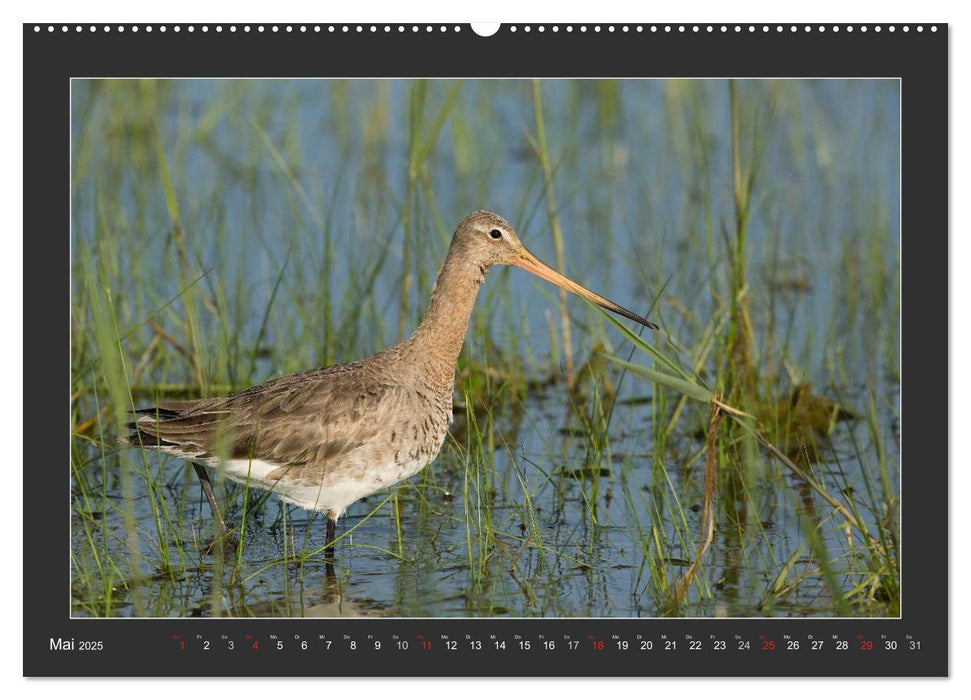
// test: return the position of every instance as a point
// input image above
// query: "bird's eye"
(495, 233)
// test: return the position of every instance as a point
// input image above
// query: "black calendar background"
(145, 647)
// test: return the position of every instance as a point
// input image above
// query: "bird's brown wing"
(305, 420)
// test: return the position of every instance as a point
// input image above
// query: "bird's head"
(486, 239)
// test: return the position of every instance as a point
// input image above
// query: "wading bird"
(325, 438)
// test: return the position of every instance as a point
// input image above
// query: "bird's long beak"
(529, 262)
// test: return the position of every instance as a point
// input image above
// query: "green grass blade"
(678, 384)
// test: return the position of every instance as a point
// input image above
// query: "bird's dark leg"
(211, 497)
(331, 532)
(329, 552)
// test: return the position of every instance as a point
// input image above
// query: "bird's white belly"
(331, 494)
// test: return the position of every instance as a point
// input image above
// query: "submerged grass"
(226, 232)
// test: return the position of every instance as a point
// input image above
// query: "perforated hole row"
(286, 28)
(513, 28)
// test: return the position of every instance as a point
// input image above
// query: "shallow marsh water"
(304, 208)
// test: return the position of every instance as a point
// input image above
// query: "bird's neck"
(436, 343)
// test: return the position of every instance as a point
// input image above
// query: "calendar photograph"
(485, 348)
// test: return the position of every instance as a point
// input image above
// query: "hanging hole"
(485, 28)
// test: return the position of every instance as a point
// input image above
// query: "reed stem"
(556, 230)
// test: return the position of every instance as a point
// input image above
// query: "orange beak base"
(529, 262)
